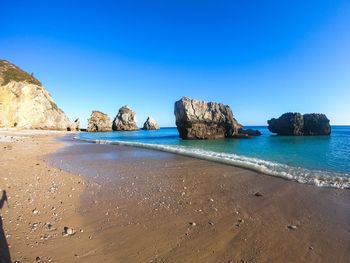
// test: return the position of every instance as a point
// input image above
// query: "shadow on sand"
(4, 249)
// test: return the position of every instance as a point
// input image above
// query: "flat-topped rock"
(99, 122)
(125, 120)
(150, 124)
(196, 119)
(297, 124)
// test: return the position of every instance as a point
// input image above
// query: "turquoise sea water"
(320, 160)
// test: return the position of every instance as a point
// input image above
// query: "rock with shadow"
(125, 120)
(296, 124)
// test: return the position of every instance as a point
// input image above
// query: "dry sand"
(140, 205)
(42, 200)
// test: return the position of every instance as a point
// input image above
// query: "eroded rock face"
(99, 122)
(25, 103)
(196, 119)
(150, 124)
(316, 124)
(297, 124)
(287, 124)
(125, 120)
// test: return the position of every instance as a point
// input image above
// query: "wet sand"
(135, 205)
(146, 206)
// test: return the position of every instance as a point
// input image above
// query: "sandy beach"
(41, 201)
(134, 205)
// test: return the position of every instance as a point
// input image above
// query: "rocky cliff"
(99, 122)
(196, 119)
(150, 124)
(297, 124)
(25, 103)
(125, 120)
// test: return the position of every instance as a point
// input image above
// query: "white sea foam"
(302, 175)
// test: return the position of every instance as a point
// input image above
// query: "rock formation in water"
(196, 119)
(25, 103)
(298, 124)
(75, 126)
(249, 132)
(150, 124)
(316, 124)
(125, 120)
(99, 122)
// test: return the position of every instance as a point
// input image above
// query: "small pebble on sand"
(67, 231)
(292, 227)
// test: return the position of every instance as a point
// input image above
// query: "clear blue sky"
(263, 58)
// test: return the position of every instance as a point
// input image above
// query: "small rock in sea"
(67, 231)
(293, 227)
(258, 194)
(193, 223)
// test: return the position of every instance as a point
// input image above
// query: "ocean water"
(318, 160)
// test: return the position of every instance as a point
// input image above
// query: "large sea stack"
(297, 124)
(125, 120)
(196, 119)
(99, 122)
(25, 103)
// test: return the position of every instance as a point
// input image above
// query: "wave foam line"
(301, 175)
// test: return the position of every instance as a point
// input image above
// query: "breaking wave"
(299, 174)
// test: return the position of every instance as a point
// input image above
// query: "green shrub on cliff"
(9, 72)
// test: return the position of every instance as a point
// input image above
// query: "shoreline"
(159, 207)
(140, 205)
(297, 174)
